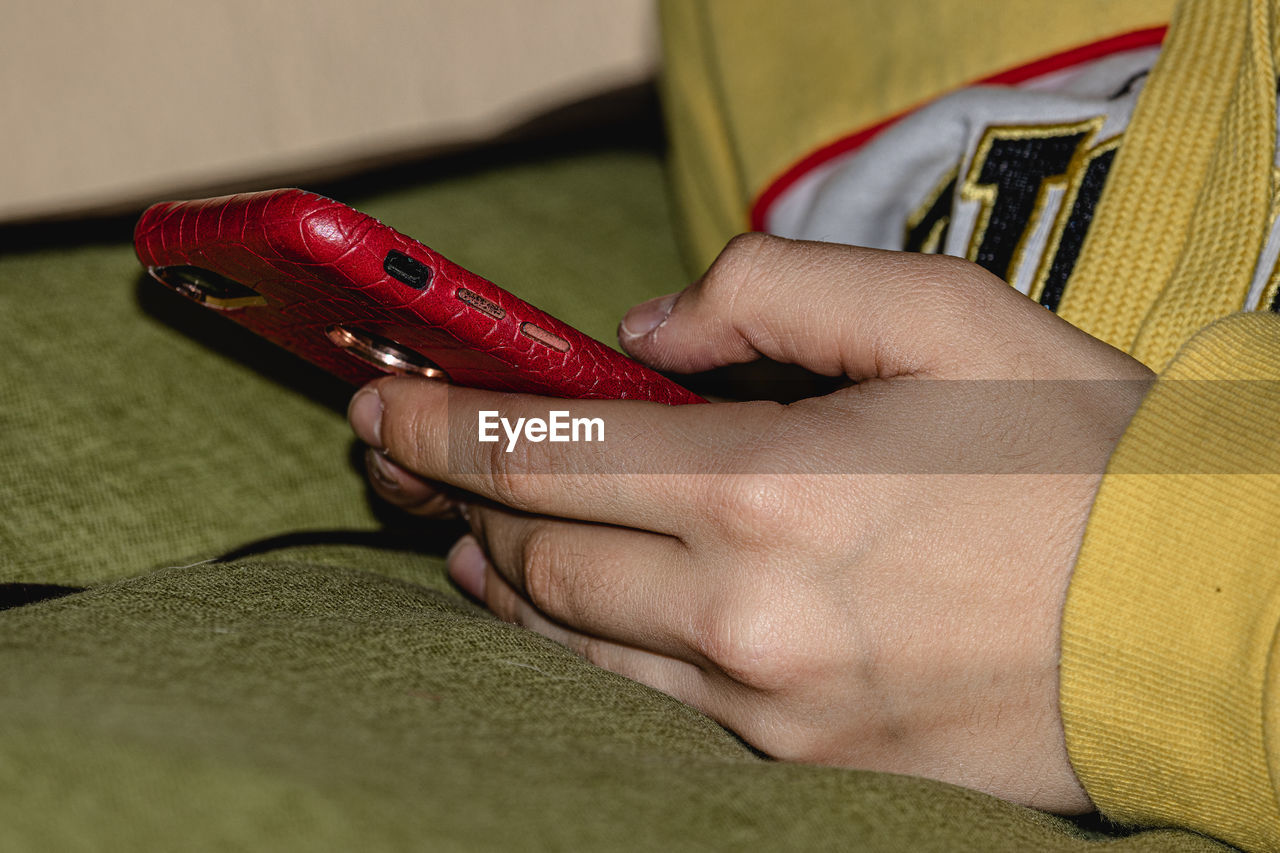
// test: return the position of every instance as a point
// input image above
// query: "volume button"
(542, 336)
(478, 302)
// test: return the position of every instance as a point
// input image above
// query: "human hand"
(873, 578)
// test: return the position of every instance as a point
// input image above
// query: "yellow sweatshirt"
(813, 119)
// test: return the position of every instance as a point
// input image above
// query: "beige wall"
(109, 103)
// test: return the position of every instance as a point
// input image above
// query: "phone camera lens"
(207, 287)
(383, 353)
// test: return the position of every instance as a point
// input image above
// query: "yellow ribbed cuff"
(1172, 613)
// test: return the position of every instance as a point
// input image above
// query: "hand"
(873, 578)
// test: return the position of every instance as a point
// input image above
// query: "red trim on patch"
(1037, 68)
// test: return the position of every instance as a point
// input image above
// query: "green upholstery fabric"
(329, 688)
(133, 441)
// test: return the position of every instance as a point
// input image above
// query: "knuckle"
(512, 478)
(738, 267)
(416, 425)
(932, 298)
(542, 569)
(760, 509)
(950, 294)
(407, 433)
(955, 288)
(748, 640)
(955, 265)
(749, 245)
(746, 248)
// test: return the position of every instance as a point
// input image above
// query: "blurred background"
(110, 106)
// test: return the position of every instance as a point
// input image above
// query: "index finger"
(622, 462)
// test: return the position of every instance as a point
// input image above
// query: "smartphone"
(360, 299)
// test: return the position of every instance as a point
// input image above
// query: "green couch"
(214, 639)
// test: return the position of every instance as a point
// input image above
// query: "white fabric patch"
(867, 196)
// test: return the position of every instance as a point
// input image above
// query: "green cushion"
(329, 688)
(142, 427)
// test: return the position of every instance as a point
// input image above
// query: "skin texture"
(873, 578)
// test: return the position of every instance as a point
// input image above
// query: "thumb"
(828, 307)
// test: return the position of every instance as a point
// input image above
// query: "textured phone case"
(318, 264)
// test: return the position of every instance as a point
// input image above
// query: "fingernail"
(382, 469)
(647, 316)
(365, 415)
(466, 564)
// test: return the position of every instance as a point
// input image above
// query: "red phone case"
(318, 272)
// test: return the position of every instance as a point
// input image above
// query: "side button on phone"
(542, 336)
(478, 302)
